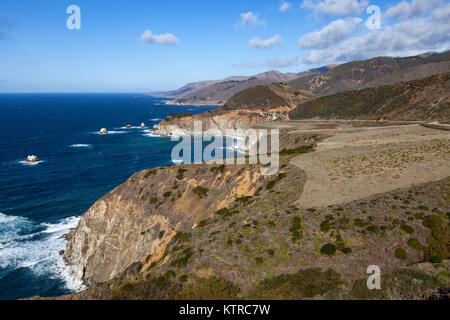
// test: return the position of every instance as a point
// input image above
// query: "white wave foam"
(80, 145)
(151, 135)
(26, 163)
(177, 161)
(109, 132)
(156, 119)
(25, 244)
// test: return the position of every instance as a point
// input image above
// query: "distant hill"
(374, 72)
(266, 97)
(425, 99)
(218, 91)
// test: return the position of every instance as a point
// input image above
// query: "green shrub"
(407, 229)
(259, 260)
(200, 191)
(218, 169)
(148, 173)
(304, 283)
(203, 223)
(325, 226)
(212, 288)
(245, 201)
(161, 234)
(415, 244)
(400, 284)
(298, 150)
(180, 173)
(400, 254)
(346, 250)
(296, 226)
(225, 212)
(153, 200)
(328, 249)
(183, 278)
(167, 194)
(438, 244)
(271, 252)
(182, 261)
(432, 221)
(272, 183)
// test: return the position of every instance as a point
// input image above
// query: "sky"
(151, 45)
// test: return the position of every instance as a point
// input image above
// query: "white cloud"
(265, 44)
(285, 6)
(336, 7)
(167, 38)
(415, 8)
(442, 14)
(408, 37)
(331, 34)
(249, 19)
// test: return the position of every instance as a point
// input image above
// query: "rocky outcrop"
(135, 221)
(241, 112)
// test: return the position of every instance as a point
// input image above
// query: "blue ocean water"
(39, 203)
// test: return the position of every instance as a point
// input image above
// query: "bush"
(271, 252)
(149, 173)
(303, 283)
(328, 249)
(272, 183)
(400, 285)
(161, 234)
(245, 201)
(259, 260)
(432, 221)
(400, 254)
(180, 173)
(296, 226)
(298, 150)
(203, 223)
(212, 288)
(200, 191)
(325, 226)
(407, 229)
(415, 244)
(347, 250)
(438, 244)
(153, 200)
(167, 194)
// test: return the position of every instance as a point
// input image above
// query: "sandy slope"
(357, 162)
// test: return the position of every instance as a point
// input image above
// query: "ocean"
(41, 202)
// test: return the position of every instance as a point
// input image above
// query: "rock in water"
(142, 125)
(103, 131)
(128, 126)
(32, 159)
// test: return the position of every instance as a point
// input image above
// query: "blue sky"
(199, 40)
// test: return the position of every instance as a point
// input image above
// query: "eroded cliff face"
(233, 120)
(135, 221)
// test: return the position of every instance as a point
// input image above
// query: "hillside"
(374, 72)
(425, 99)
(208, 231)
(258, 104)
(218, 91)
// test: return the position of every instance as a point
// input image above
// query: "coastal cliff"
(135, 221)
(242, 111)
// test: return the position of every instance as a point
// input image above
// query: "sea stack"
(32, 159)
(142, 125)
(103, 131)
